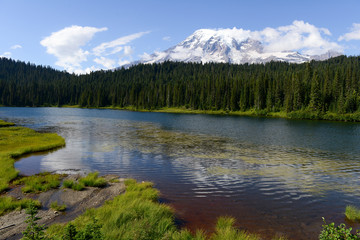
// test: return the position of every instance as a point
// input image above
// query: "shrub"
(330, 232)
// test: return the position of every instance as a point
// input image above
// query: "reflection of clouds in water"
(297, 169)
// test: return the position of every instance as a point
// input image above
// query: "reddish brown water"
(276, 177)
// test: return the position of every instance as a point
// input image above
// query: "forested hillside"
(317, 87)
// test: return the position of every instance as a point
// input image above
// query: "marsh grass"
(39, 183)
(55, 206)
(73, 185)
(93, 180)
(225, 229)
(352, 213)
(17, 141)
(8, 204)
(6, 124)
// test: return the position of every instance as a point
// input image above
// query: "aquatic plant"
(352, 213)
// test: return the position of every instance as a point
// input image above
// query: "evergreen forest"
(314, 89)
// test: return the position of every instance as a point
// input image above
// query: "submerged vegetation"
(317, 90)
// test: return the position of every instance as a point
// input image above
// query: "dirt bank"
(13, 223)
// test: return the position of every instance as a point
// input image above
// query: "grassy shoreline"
(18, 141)
(299, 115)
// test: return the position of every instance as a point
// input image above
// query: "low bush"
(341, 232)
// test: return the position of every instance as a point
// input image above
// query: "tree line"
(318, 86)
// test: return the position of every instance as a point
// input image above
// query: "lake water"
(275, 176)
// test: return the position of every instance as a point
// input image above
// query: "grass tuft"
(93, 180)
(225, 230)
(73, 185)
(39, 183)
(55, 206)
(352, 213)
(8, 204)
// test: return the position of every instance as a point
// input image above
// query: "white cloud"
(353, 35)
(66, 45)
(116, 45)
(16, 46)
(299, 36)
(6, 55)
(123, 62)
(167, 38)
(106, 62)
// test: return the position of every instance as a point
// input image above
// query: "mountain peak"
(227, 46)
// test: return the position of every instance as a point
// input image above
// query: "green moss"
(352, 213)
(39, 183)
(17, 141)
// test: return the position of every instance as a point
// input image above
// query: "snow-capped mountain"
(227, 46)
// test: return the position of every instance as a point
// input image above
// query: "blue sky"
(80, 35)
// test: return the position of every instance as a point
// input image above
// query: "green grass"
(17, 141)
(41, 182)
(55, 206)
(73, 185)
(6, 124)
(136, 214)
(352, 213)
(8, 204)
(93, 180)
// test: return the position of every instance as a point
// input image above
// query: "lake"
(275, 176)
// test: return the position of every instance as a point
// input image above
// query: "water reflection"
(273, 175)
